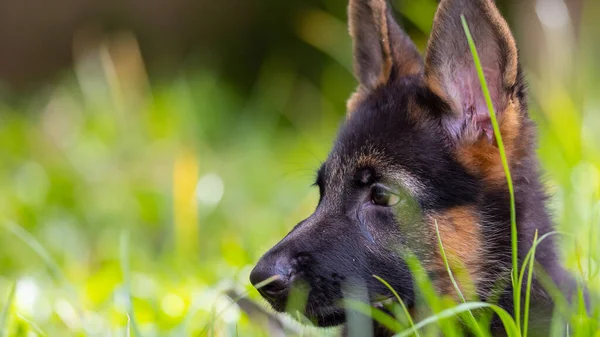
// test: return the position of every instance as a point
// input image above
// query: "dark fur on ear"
(450, 71)
(381, 49)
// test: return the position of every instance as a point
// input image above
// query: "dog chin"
(323, 317)
(328, 317)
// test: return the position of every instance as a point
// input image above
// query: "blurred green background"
(154, 150)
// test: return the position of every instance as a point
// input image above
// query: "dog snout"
(272, 277)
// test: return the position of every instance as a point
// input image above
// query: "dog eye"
(382, 196)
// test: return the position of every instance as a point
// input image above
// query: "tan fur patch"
(462, 239)
(410, 68)
(353, 102)
(435, 85)
(482, 158)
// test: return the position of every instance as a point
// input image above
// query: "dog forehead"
(392, 116)
(381, 131)
(384, 133)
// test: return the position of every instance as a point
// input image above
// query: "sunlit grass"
(84, 162)
(132, 324)
(473, 322)
(505, 166)
(401, 303)
(6, 311)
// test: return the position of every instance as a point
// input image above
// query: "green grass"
(472, 321)
(132, 324)
(401, 303)
(505, 166)
(204, 179)
(4, 314)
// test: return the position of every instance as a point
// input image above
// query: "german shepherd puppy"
(416, 151)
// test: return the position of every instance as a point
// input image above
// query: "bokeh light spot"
(172, 305)
(210, 189)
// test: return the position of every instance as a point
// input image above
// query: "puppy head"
(416, 150)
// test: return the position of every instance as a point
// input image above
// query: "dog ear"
(381, 49)
(451, 74)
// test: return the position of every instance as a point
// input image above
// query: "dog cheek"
(400, 229)
(460, 232)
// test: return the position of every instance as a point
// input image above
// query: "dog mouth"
(326, 307)
(327, 316)
(322, 316)
(334, 315)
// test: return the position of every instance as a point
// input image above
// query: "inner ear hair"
(450, 71)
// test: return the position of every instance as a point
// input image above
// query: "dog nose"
(276, 278)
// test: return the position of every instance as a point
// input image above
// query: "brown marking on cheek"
(462, 239)
(482, 157)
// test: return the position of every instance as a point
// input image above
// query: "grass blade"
(496, 126)
(528, 262)
(50, 263)
(432, 301)
(404, 308)
(531, 252)
(6, 310)
(505, 317)
(235, 298)
(476, 326)
(35, 245)
(32, 325)
(528, 292)
(124, 257)
(379, 316)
